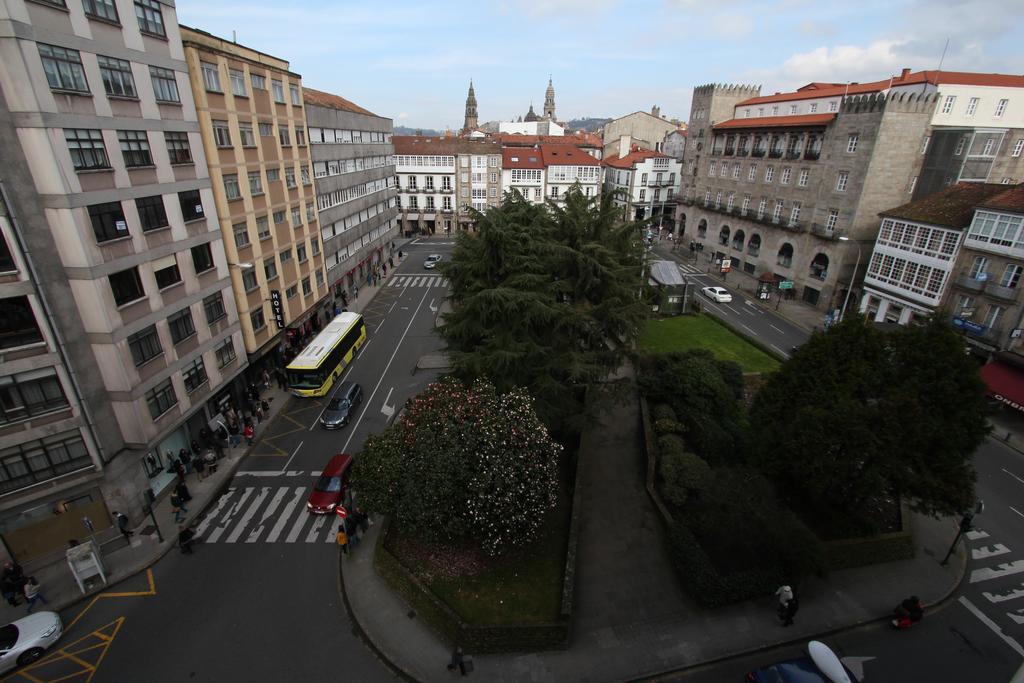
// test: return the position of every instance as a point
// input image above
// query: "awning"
(1005, 384)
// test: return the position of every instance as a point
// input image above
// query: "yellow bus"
(314, 371)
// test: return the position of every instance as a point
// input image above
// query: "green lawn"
(685, 332)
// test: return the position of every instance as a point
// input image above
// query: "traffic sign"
(341, 511)
(726, 265)
(786, 284)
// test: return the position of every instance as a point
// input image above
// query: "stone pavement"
(631, 619)
(122, 559)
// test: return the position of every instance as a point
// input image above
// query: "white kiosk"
(85, 563)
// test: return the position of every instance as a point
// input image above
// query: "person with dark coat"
(458, 660)
(122, 525)
(179, 466)
(12, 580)
(178, 508)
(182, 490)
(200, 466)
(790, 611)
(186, 539)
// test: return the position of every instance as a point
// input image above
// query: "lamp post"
(965, 526)
(846, 301)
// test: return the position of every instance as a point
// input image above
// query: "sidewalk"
(631, 618)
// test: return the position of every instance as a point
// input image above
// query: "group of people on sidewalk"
(352, 529)
(14, 583)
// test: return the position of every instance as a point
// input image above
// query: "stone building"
(254, 131)
(120, 339)
(648, 130)
(352, 157)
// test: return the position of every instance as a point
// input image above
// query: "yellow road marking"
(134, 594)
(69, 653)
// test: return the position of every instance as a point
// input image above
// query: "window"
(794, 214)
(101, 9)
(145, 346)
(126, 286)
(735, 172)
(194, 375)
(152, 214)
(28, 394)
(1011, 275)
(108, 221)
(753, 172)
(289, 176)
(151, 19)
(160, 398)
(1018, 147)
(266, 129)
(802, 179)
(300, 136)
(278, 88)
(851, 143)
(319, 278)
(191, 205)
(775, 110)
(249, 281)
(979, 267)
(286, 255)
(814, 107)
(257, 320)
(258, 82)
(307, 289)
(231, 188)
(315, 243)
(296, 97)
(222, 133)
(63, 68)
(165, 85)
(178, 149)
(134, 148)
(711, 170)
(279, 217)
(995, 315)
(769, 173)
(300, 253)
(787, 172)
(181, 325)
(117, 76)
(246, 135)
(282, 133)
(262, 227)
(832, 220)
(990, 145)
(255, 183)
(841, 181)
(777, 211)
(292, 292)
(237, 83)
(202, 258)
(296, 216)
(1001, 107)
(643, 195)
(270, 268)
(166, 272)
(305, 176)
(792, 109)
(273, 175)
(960, 145)
(19, 326)
(972, 106)
(211, 76)
(241, 231)
(225, 353)
(947, 105)
(833, 106)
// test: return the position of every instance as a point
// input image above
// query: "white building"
(566, 165)
(649, 180)
(530, 128)
(522, 171)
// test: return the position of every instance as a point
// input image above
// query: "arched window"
(737, 240)
(702, 228)
(819, 266)
(785, 258)
(754, 245)
(723, 235)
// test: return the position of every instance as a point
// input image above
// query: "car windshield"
(334, 404)
(8, 637)
(328, 484)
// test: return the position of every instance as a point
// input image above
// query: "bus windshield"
(309, 379)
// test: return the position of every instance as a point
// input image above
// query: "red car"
(329, 490)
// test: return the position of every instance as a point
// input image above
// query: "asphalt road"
(259, 598)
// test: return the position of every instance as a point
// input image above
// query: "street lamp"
(846, 301)
(965, 526)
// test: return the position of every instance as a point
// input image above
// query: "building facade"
(567, 165)
(254, 131)
(646, 129)
(354, 175)
(121, 340)
(648, 183)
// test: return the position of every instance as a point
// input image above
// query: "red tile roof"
(813, 91)
(422, 144)
(326, 99)
(963, 78)
(634, 157)
(802, 120)
(578, 139)
(952, 207)
(521, 157)
(1011, 200)
(566, 155)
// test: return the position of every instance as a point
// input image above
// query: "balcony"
(716, 152)
(429, 189)
(742, 152)
(1000, 292)
(968, 282)
(445, 190)
(729, 151)
(812, 155)
(793, 154)
(757, 153)
(753, 251)
(823, 231)
(775, 154)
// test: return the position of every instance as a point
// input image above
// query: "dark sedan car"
(342, 406)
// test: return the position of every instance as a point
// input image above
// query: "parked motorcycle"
(908, 613)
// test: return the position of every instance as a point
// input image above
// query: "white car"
(25, 640)
(717, 294)
(432, 261)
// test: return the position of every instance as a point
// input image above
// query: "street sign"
(341, 511)
(786, 284)
(726, 265)
(277, 307)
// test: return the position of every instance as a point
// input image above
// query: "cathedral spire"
(549, 101)
(471, 118)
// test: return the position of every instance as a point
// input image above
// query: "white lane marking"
(1017, 616)
(975, 534)
(1002, 570)
(210, 516)
(992, 625)
(386, 409)
(254, 535)
(249, 514)
(1012, 475)
(1017, 511)
(416, 282)
(318, 525)
(748, 330)
(286, 514)
(285, 468)
(1002, 597)
(783, 353)
(384, 373)
(775, 328)
(293, 533)
(985, 552)
(226, 522)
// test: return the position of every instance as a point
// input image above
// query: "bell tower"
(471, 118)
(549, 101)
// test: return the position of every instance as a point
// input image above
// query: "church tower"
(549, 102)
(471, 119)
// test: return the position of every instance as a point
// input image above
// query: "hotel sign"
(277, 307)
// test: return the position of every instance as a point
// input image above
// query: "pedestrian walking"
(234, 438)
(186, 539)
(200, 467)
(791, 609)
(183, 493)
(33, 594)
(785, 595)
(178, 508)
(11, 582)
(265, 406)
(342, 538)
(352, 531)
(210, 461)
(282, 378)
(361, 518)
(122, 525)
(248, 432)
(266, 379)
(458, 660)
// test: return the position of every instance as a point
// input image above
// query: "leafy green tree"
(545, 298)
(859, 414)
(463, 463)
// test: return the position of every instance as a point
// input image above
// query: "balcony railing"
(716, 152)
(446, 190)
(753, 251)
(823, 230)
(967, 281)
(742, 152)
(738, 246)
(812, 155)
(775, 154)
(785, 261)
(793, 154)
(757, 153)
(729, 151)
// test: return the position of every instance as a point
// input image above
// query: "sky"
(412, 60)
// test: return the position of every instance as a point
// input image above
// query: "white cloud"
(402, 116)
(838, 64)
(552, 8)
(734, 26)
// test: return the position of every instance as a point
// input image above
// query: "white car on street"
(718, 294)
(25, 640)
(432, 261)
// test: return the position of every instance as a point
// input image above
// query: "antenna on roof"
(943, 57)
(234, 37)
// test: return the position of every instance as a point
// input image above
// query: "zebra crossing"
(265, 514)
(426, 281)
(690, 269)
(1001, 576)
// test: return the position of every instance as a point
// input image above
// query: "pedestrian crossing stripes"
(426, 281)
(265, 514)
(690, 269)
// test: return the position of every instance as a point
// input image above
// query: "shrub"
(663, 411)
(665, 426)
(682, 474)
(670, 444)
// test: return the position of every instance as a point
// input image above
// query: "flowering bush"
(463, 463)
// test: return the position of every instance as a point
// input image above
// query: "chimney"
(624, 144)
(904, 73)
(656, 111)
